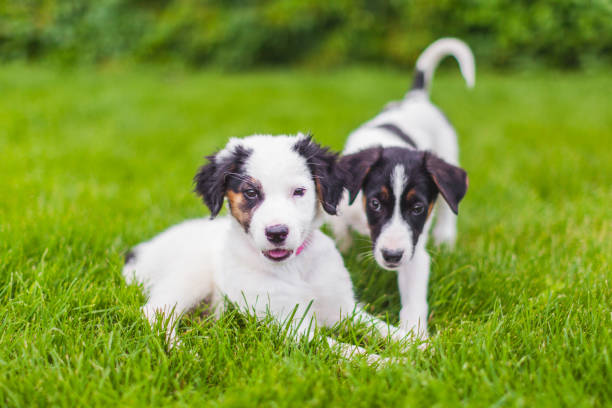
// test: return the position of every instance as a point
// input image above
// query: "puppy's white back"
(415, 115)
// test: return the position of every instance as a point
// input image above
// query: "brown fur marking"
(384, 193)
(319, 189)
(410, 193)
(429, 208)
(237, 204)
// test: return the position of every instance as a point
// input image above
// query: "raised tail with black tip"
(430, 58)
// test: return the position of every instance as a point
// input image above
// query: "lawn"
(94, 161)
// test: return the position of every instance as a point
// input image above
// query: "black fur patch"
(357, 166)
(329, 178)
(421, 187)
(241, 205)
(418, 83)
(129, 256)
(390, 127)
(212, 178)
(372, 170)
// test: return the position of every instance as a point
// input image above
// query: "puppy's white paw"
(401, 335)
(416, 329)
(382, 362)
(167, 321)
(424, 344)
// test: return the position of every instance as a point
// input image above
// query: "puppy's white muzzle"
(278, 229)
(394, 245)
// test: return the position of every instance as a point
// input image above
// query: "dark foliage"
(241, 34)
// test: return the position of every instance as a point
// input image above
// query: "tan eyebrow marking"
(239, 207)
(384, 193)
(410, 194)
(237, 204)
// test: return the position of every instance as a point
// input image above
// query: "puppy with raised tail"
(400, 163)
(267, 256)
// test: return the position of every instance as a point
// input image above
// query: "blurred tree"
(239, 34)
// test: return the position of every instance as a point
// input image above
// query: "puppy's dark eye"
(250, 194)
(417, 209)
(375, 204)
(299, 192)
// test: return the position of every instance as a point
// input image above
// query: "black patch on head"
(418, 83)
(328, 177)
(357, 166)
(425, 173)
(212, 179)
(452, 181)
(419, 190)
(242, 203)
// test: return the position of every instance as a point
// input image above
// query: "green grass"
(92, 162)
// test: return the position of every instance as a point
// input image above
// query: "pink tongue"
(277, 253)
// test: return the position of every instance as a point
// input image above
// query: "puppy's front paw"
(415, 328)
(382, 362)
(166, 321)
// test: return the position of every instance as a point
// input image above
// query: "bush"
(239, 34)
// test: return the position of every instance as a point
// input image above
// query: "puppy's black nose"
(277, 233)
(392, 256)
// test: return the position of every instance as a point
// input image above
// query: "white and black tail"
(430, 58)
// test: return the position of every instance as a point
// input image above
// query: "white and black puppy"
(400, 162)
(268, 256)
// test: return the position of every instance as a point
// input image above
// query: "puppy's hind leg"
(445, 230)
(350, 351)
(384, 329)
(171, 298)
(349, 218)
(342, 233)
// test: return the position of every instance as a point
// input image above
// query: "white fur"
(416, 116)
(431, 57)
(281, 170)
(396, 234)
(215, 259)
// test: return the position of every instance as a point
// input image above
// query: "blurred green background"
(241, 34)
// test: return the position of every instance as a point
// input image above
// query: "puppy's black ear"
(209, 186)
(357, 166)
(328, 177)
(211, 179)
(452, 181)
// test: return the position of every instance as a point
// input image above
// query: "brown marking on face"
(384, 193)
(429, 208)
(319, 189)
(238, 208)
(241, 207)
(410, 193)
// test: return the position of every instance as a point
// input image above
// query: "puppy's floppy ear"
(328, 177)
(452, 181)
(210, 186)
(211, 179)
(357, 166)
